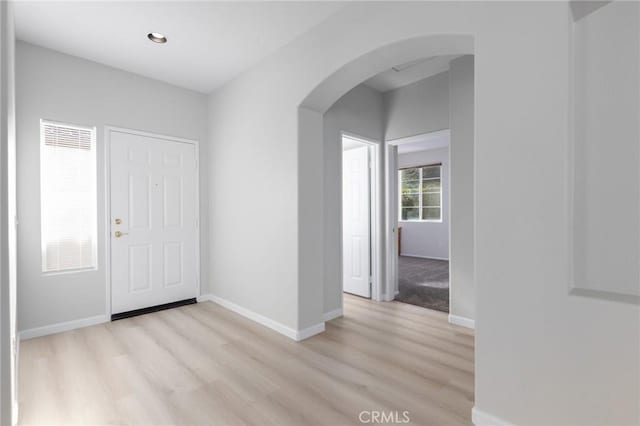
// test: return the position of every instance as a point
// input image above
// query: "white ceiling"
(424, 142)
(209, 42)
(405, 74)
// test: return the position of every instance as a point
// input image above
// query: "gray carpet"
(424, 282)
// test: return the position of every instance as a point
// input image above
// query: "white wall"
(7, 215)
(359, 112)
(461, 122)
(421, 107)
(427, 239)
(59, 87)
(539, 350)
(261, 243)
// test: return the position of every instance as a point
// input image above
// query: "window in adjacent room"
(68, 199)
(421, 193)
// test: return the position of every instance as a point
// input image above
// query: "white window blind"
(68, 197)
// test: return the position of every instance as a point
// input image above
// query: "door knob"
(119, 234)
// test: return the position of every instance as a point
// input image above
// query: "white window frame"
(94, 242)
(420, 193)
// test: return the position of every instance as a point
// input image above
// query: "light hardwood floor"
(202, 364)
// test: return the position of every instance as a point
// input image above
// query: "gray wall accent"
(59, 87)
(359, 112)
(8, 361)
(463, 295)
(421, 107)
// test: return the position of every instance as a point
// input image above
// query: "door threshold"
(358, 295)
(151, 309)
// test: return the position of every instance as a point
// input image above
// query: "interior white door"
(153, 221)
(356, 218)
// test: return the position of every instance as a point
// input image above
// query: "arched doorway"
(310, 130)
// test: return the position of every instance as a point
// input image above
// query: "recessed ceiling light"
(157, 38)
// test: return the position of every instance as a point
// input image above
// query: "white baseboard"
(462, 321)
(62, 326)
(336, 313)
(296, 335)
(480, 418)
(203, 298)
(387, 297)
(424, 257)
(309, 331)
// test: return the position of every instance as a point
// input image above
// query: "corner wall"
(361, 113)
(8, 361)
(462, 175)
(443, 101)
(415, 109)
(420, 107)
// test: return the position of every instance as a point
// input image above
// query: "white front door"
(356, 221)
(153, 218)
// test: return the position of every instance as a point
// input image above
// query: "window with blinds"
(68, 197)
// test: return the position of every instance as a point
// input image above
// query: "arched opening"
(312, 227)
(369, 64)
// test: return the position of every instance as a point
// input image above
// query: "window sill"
(69, 271)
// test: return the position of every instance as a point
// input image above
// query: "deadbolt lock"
(118, 221)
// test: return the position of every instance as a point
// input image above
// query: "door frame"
(392, 198)
(375, 149)
(391, 213)
(107, 200)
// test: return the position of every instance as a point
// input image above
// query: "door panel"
(356, 221)
(154, 198)
(173, 264)
(172, 201)
(139, 201)
(139, 268)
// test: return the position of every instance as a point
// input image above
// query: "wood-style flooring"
(202, 364)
